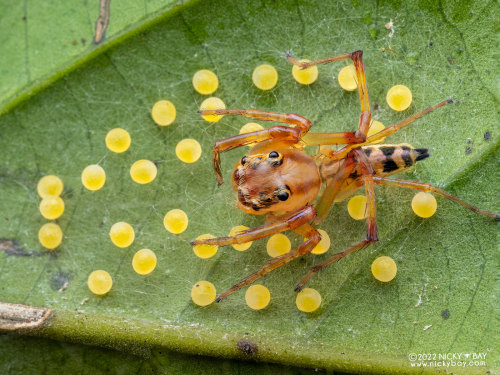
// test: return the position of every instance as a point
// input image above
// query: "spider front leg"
(357, 59)
(292, 221)
(371, 213)
(280, 135)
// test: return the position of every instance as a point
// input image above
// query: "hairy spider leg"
(306, 230)
(341, 153)
(297, 221)
(287, 136)
(433, 189)
(371, 213)
(365, 117)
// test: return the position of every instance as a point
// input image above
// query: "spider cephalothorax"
(279, 180)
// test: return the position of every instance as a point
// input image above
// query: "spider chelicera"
(278, 179)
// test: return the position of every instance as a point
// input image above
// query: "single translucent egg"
(143, 171)
(163, 112)
(210, 104)
(50, 235)
(144, 261)
(399, 97)
(118, 140)
(205, 251)
(52, 207)
(278, 244)
(49, 186)
(305, 76)
(308, 300)
(176, 221)
(424, 204)
(238, 229)
(122, 234)
(188, 150)
(205, 82)
(323, 245)
(265, 77)
(347, 78)
(375, 127)
(257, 297)
(93, 177)
(203, 293)
(384, 269)
(357, 207)
(100, 282)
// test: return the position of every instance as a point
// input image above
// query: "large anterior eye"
(273, 154)
(283, 196)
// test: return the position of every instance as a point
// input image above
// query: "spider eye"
(283, 196)
(243, 160)
(273, 154)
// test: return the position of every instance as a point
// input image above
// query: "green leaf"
(442, 300)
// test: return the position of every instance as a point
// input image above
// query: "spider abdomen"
(390, 159)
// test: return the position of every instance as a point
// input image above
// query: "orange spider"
(278, 179)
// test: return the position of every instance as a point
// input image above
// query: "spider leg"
(371, 212)
(280, 135)
(289, 222)
(333, 187)
(357, 59)
(313, 238)
(339, 154)
(433, 189)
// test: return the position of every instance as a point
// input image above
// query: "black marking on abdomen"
(368, 151)
(405, 155)
(387, 151)
(389, 165)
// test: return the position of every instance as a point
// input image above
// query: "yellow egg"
(175, 221)
(93, 177)
(205, 82)
(203, 293)
(347, 78)
(205, 251)
(323, 245)
(257, 297)
(122, 234)
(384, 269)
(144, 261)
(424, 204)
(375, 127)
(399, 97)
(163, 112)
(305, 76)
(357, 207)
(143, 171)
(118, 140)
(188, 150)
(52, 207)
(49, 186)
(50, 235)
(210, 104)
(278, 244)
(100, 282)
(243, 246)
(265, 77)
(308, 300)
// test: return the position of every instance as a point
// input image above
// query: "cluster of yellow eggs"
(203, 293)
(51, 207)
